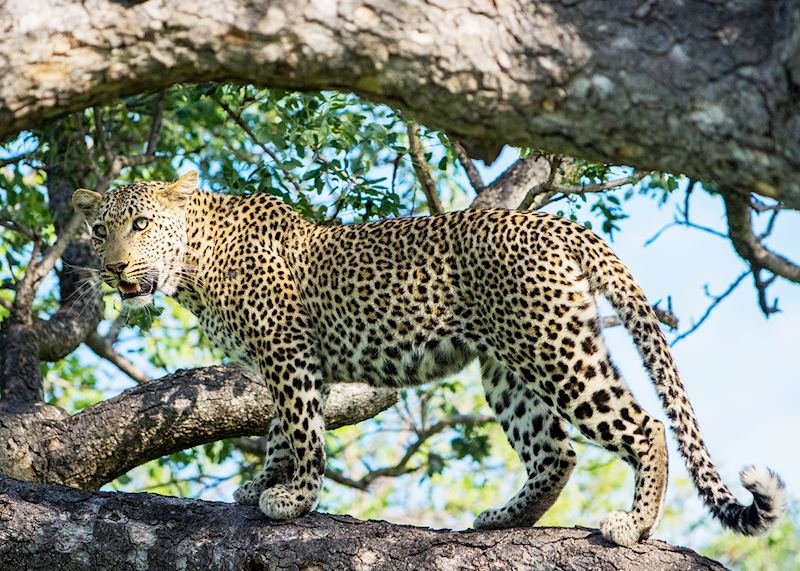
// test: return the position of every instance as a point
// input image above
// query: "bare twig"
(761, 207)
(115, 163)
(102, 348)
(19, 228)
(469, 166)
(761, 288)
(422, 170)
(53, 253)
(99, 141)
(100, 135)
(239, 120)
(18, 158)
(26, 288)
(599, 187)
(116, 326)
(395, 167)
(684, 222)
(402, 466)
(716, 300)
(687, 199)
(152, 137)
(770, 224)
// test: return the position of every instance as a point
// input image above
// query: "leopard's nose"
(117, 268)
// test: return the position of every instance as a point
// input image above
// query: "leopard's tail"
(608, 276)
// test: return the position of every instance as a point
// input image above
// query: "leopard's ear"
(179, 191)
(87, 202)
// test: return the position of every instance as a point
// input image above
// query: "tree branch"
(752, 249)
(599, 187)
(422, 170)
(665, 316)
(469, 166)
(43, 524)
(237, 118)
(102, 348)
(401, 467)
(182, 410)
(546, 78)
(715, 301)
(511, 187)
(149, 154)
(16, 159)
(749, 246)
(15, 226)
(52, 254)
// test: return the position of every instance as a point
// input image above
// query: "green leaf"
(143, 317)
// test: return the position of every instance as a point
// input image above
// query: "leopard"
(406, 301)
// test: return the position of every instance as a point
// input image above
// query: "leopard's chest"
(224, 338)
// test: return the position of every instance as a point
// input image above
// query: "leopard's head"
(139, 233)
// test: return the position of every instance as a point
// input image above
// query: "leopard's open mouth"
(128, 290)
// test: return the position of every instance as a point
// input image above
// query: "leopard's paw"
(495, 518)
(286, 502)
(620, 528)
(249, 492)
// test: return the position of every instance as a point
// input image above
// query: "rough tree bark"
(188, 408)
(26, 339)
(707, 88)
(48, 527)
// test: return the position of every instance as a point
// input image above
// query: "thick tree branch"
(751, 247)
(511, 187)
(707, 95)
(81, 305)
(48, 526)
(180, 411)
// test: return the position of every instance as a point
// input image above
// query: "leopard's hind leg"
(586, 389)
(539, 439)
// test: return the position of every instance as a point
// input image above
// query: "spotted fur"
(404, 302)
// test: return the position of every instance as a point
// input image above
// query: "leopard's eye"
(140, 223)
(99, 231)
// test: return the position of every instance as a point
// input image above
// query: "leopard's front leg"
(293, 375)
(278, 467)
(278, 462)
